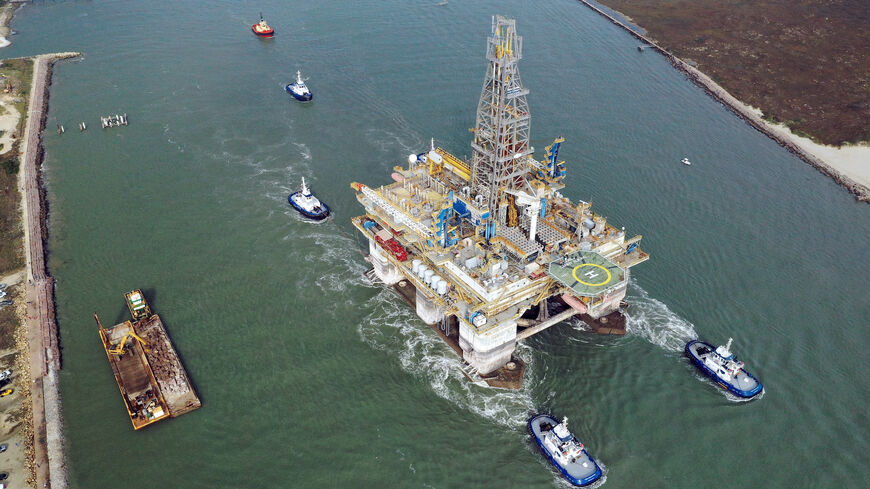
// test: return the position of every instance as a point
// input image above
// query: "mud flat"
(838, 164)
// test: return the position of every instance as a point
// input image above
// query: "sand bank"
(848, 166)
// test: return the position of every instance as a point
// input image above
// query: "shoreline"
(40, 321)
(841, 164)
(7, 11)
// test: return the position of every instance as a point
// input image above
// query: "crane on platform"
(534, 206)
(120, 347)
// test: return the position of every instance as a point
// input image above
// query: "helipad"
(587, 273)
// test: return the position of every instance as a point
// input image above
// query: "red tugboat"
(262, 29)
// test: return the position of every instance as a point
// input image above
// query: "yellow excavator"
(119, 348)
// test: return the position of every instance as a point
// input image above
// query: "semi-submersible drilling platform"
(475, 247)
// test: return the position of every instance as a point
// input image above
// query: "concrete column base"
(384, 270)
(428, 311)
(489, 350)
(610, 304)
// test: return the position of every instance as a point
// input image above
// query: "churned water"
(312, 377)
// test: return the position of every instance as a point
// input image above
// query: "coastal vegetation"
(10, 218)
(18, 73)
(9, 320)
(802, 62)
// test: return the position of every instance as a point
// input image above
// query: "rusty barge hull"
(134, 377)
(171, 376)
(147, 369)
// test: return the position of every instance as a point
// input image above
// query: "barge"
(149, 374)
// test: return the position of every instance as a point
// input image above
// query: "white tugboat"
(307, 204)
(564, 450)
(298, 89)
(720, 365)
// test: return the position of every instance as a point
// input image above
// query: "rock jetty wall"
(45, 347)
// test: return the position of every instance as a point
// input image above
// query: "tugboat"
(307, 204)
(720, 365)
(262, 29)
(299, 90)
(564, 450)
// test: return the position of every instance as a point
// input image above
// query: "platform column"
(385, 270)
(429, 311)
(488, 349)
(609, 303)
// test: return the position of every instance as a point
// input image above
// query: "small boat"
(686, 161)
(262, 29)
(564, 450)
(719, 364)
(307, 204)
(298, 89)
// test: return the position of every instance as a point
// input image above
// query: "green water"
(309, 376)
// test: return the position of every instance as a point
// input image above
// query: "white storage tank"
(442, 287)
(422, 270)
(427, 276)
(415, 265)
(434, 282)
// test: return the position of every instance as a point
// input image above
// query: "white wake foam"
(343, 265)
(652, 320)
(392, 326)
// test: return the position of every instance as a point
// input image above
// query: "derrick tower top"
(501, 140)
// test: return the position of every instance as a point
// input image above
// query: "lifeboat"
(262, 29)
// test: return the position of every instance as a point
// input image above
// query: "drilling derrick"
(479, 249)
(501, 141)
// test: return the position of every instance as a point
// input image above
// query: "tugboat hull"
(302, 98)
(315, 216)
(268, 33)
(582, 472)
(745, 385)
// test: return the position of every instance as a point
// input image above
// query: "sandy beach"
(852, 161)
(6, 13)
